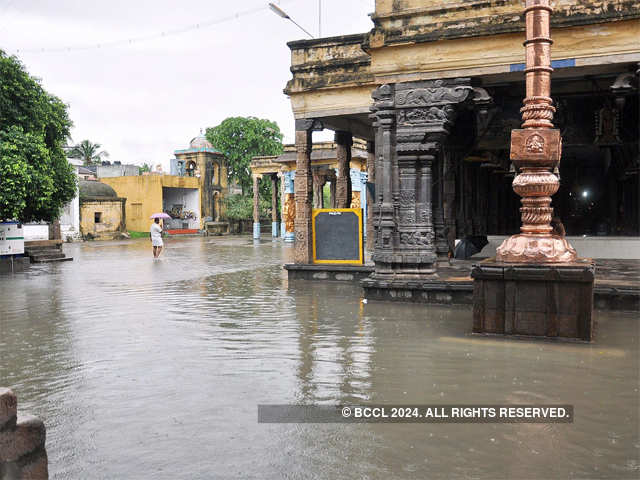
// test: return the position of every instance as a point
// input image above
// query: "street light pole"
(281, 13)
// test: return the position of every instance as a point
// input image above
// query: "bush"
(240, 207)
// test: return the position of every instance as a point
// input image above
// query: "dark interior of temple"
(599, 191)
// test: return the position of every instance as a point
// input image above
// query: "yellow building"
(149, 194)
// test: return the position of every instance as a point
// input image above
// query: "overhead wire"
(145, 38)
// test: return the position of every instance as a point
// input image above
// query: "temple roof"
(199, 144)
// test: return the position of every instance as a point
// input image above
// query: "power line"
(144, 38)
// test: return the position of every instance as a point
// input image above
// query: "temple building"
(435, 88)
(204, 162)
(281, 169)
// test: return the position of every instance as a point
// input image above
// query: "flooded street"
(154, 369)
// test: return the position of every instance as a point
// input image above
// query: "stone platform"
(339, 273)
(554, 301)
(617, 283)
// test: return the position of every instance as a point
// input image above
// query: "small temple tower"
(203, 161)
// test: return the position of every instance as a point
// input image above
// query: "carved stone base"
(526, 248)
(551, 301)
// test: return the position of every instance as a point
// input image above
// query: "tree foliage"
(89, 152)
(240, 207)
(35, 178)
(242, 138)
(144, 168)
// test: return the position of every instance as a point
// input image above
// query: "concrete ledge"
(43, 243)
(335, 273)
(616, 285)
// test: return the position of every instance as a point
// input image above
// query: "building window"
(97, 217)
(136, 210)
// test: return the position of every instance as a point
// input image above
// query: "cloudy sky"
(156, 77)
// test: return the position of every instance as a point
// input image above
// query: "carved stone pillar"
(303, 190)
(449, 197)
(274, 206)
(319, 179)
(256, 207)
(442, 249)
(371, 178)
(344, 140)
(412, 122)
(331, 177)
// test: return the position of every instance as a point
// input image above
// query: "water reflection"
(154, 369)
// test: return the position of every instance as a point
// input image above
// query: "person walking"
(156, 237)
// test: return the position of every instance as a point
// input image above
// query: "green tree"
(242, 138)
(89, 152)
(240, 207)
(144, 168)
(35, 178)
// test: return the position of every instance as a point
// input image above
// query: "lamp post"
(281, 13)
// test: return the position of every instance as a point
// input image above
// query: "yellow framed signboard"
(337, 235)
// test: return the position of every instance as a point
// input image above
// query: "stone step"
(35, 251)
(50, 260)
(47, 255)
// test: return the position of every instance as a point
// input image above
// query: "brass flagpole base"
(531, 248)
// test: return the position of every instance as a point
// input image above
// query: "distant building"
(102, 212)
(116, 169)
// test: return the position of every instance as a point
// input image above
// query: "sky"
(146, 91)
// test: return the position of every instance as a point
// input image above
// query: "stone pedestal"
(22, 442)
(538, 300)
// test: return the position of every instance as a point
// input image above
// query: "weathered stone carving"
(303, 187)
(289, 212)
(438, 92)
(412, 121)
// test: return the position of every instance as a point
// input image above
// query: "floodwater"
(154, 369)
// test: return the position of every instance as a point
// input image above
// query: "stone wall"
(112, 219)
(402, 21)
(22, 442)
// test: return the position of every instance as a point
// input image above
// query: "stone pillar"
(412, 122)
(304, 190)
(22, 441)
(331, 177)
(442, 249)
(343, 140)
(256, 207)
(449, 198)
(274, 206)
(319, 179)
(371, 178)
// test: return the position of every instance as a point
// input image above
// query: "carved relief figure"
(535, 144)
(355, 200)
(289, 212)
